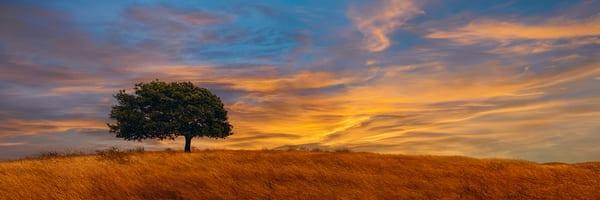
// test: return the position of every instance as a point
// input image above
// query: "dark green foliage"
(167, 110)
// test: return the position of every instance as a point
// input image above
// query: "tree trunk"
(188, 144)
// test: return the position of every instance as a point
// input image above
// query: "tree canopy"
(160, 110)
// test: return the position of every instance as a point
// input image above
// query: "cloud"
(541, 46)
(498, 30)
(376, 23)
(166, 18)
(256, 80)
(34, 127)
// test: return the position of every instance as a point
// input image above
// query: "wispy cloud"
(165, 15)
(377, 22)
(541, 46)
(33, 127)
(502, 30)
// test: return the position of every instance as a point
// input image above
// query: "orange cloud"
(377, 23)
(258, 79)
(541, 46)
(504, 31)
(32, 127)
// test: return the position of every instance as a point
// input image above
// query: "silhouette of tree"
(160, 110)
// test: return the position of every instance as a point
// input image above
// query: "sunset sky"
(500, 79)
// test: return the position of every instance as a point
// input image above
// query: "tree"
(160, 110)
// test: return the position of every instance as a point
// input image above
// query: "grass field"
(228, 174)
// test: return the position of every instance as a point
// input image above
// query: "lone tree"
(160, 110)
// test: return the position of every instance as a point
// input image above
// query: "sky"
(490, 79)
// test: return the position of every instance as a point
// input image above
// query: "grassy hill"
(226, 174)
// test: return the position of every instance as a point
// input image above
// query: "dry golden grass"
(224, 174)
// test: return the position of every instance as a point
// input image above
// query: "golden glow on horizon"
(353, 116)
(400, 107)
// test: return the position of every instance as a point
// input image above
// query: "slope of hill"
(225, 174)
